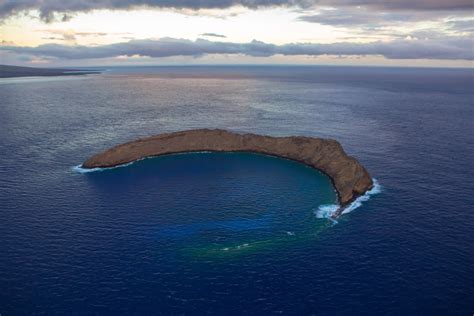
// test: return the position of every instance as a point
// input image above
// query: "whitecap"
(81, 169)
(242, 246)
(328, 210)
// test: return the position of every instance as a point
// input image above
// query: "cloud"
(64, 35)
(48, 8)
(405, 5)
(461, 26)
(71, 35)
(3, 42)
(377, 19)
(213, 35)
(447, 48)
(358, 17)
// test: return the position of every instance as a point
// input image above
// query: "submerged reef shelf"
(348, 176)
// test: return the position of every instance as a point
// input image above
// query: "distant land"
(7, 71)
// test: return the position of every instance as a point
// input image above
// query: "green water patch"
(252, 246)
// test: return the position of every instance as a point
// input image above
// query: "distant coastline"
(7, 71)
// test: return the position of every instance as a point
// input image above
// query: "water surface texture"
(237, 233)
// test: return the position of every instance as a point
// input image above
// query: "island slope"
(349, 177)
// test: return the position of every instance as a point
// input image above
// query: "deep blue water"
(237, 233)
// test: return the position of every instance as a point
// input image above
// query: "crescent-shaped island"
(349, 177)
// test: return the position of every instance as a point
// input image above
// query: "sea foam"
(328, 210)
(80, 169)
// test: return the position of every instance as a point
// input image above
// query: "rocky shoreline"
(348, 176)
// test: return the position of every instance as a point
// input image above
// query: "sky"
(431, 33)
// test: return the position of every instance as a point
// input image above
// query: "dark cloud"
(378, 19)
(213, 35)
(359, 17)
(405, 5)
(48, 8)
(449, 48)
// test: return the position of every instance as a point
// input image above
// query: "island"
(349, 177)
(8, 71)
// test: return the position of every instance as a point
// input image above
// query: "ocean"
(237, 233)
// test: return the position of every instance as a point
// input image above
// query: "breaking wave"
(80, 169)
(328, 210)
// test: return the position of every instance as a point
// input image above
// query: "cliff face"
(348, 176)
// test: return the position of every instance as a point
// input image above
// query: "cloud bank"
(48, 8)
(449, 48)
(360, 17)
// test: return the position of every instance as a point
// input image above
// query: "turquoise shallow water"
(151, 238)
